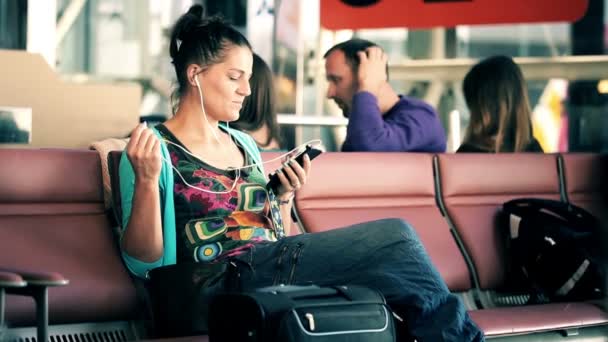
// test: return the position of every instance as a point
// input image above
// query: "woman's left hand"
(292, 176)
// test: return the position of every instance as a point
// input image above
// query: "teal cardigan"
(165, 183)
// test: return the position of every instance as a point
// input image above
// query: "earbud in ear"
(196, 81)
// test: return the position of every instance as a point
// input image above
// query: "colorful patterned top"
(211, 226)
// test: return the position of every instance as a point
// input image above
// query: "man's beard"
(345, 109)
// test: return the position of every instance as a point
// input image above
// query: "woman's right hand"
(143, 151)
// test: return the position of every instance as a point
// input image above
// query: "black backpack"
(555, 247)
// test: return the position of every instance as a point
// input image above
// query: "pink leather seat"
(584, 176)
(538, 318)
(349, 188)
(52, 219)
(473, 188)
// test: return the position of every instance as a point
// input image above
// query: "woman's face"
(225, 85)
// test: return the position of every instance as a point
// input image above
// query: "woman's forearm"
(286, 216)
(143, 237)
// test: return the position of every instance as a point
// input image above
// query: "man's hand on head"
(372, 70)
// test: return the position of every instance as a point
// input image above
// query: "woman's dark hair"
(259, 108)
(201, 40)
(497, 97)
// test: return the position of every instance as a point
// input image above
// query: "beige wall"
(69, 115)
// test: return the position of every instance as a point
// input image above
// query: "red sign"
(337, 14)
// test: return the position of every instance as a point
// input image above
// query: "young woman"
(497, 97)
(259, 117)
(190, 194)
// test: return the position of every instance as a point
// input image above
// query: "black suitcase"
(301, 313)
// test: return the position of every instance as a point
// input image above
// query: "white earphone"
(236, 169)
(291, 154)
(200, 96)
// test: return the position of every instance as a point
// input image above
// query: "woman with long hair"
(496, 94)
(259, 117)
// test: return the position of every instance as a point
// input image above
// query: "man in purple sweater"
(379, 118)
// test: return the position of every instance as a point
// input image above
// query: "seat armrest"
(10, 279)
(46, 279)
(36, 286)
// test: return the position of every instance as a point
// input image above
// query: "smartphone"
(298, 155)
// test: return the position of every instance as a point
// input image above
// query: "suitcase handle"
(311, 291)
(316, 292)
(296, 292)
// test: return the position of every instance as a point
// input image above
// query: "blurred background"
(116, 42)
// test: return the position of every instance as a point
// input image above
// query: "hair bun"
(184, 26)
(189, 22)
(197, 10)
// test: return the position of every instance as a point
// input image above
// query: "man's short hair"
(350, 48)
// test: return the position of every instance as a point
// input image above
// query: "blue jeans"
(386, 255)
